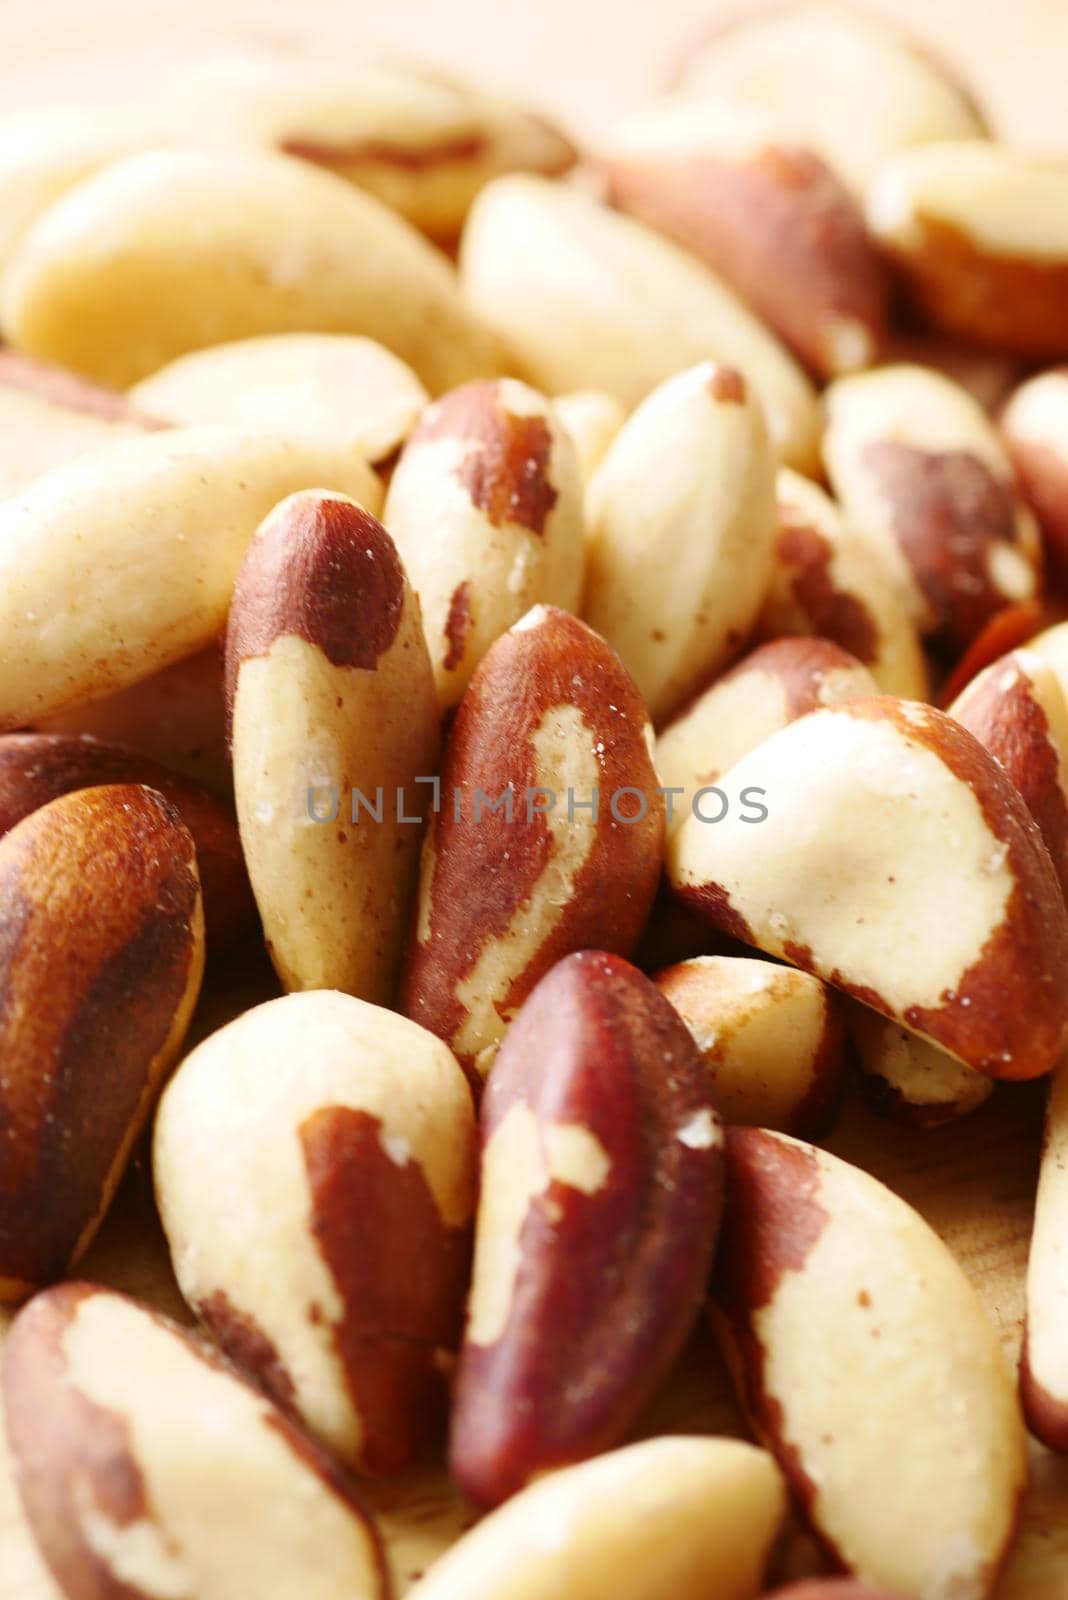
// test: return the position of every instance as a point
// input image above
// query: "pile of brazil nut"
(533, 687)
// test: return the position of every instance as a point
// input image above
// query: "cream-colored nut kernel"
(767, 689)
(979, 234)
(831, 582)
(842, 81)
(592, 418)
(899, 863)
(334, 720)
(919, 470)
(687, 1518)
(100, 968)
(864, 1358)
(681, 526)
(315, 1170)
(486, 508)
(1034, 426)
(172, 250)
(1044, 1364)
(148, 1467)
(726, 181)
(908, 1078)
(585, 297)
(117, 565)
(771, 1037)
(333, 384)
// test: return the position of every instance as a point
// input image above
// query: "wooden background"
(585, 60)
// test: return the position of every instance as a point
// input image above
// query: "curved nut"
(598, 1212)
(338, 1141)
(334, 720)
(131, 555)
(701, 1516)
(899, 863)
(593, 419)
(485, 506)
(815, 66)
(1007, 630)
(681, 523)
(549, 837)
(1044, 1363)
(766, 212)
(171, 250)
(147, 1467)
(985, 374)
(857, 1340)
(910, 1080)
(919, 470)
(333, 384)
(100, 961)
(585, 297)
(771, 1038)
(978, 234)
(832, 583)
(36, 768)
(1034, 426)
(766, 690)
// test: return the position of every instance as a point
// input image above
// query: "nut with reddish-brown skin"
(831, 1589)
(772, 1039)
(1043, 1363)
(898, 862)
(909, 1080)
(763, 210)
(337, 1140)
(38, 767)
(598, 1211)
(856, 1340)
(1004, 632)
(830, 582)
(485, 506)
(987, 376)
(919, 470)
(549, 837)
(1034, 425)
(681, 525)
(978, 235)
(769, 688)
(334, 719)
(148, 1467)
(101, 957)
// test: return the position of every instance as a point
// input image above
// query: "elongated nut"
(701, 1519)
(919, 469)
(117, 565)
(1034, 426)
(681, 525)
(598, 1212)
(764, 211)
(1044, 1367)
(856, 1340)
(592, 418)
(843, 82)
(147, 1467)
(338, 1140)
(585, 297)
(899, 863)
(909, 1079)
(549, 836)
(978, 234)
(101, 961)
(485, 505)
(332, 384)
(766, 690)
(771, 1038)
(1018, 710)
(334, 721)
(832, 582)
(172, 250)
(38, 767)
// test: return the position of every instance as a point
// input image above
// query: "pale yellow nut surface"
(682, 1517)
(37, 435)
(592, 418)
(1037, 413)
(1052, 645)
(121, 563)
(681, 524)
(584, 297)
(173, 250)
(1047, 1268)
(921, 1082)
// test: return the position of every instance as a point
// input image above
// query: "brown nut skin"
(1004, 632)
(1034, 425)
(101, 960)
(38, 767)
(599, 1209)
(500, 902)
(831, 1589)
(909, 1080)
(147, 1466)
